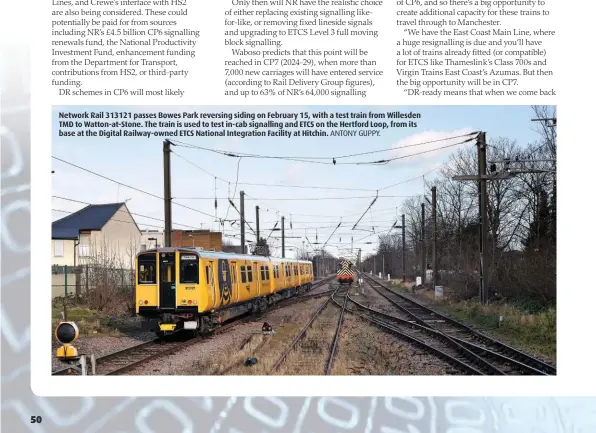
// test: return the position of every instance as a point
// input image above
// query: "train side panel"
(247, 286)
(265, 278)
(207, 290)
(307, 275)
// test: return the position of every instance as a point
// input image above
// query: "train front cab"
(168, 289)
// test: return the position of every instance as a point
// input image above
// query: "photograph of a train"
(428, 249)
(191, 289)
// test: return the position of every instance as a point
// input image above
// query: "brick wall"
(201, 238)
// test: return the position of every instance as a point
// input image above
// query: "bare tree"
(521, 250)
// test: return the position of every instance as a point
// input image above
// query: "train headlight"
(195, 302)
(140, 302)
(183, 301)
(67, 332)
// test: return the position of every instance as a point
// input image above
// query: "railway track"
(452, 357)
(487, 354)
(303, 331)
(124, 360)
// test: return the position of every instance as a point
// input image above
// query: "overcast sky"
(138, 162)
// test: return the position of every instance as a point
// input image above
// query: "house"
(151, 239)
(105, 230)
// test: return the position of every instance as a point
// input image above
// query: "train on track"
(346, 272)
(197, 290)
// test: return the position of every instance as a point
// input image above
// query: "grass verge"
(88, 321)
(534, 331)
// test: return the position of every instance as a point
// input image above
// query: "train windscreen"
(147, 269)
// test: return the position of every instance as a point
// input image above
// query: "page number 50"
(35, 420)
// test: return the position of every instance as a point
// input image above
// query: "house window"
(84, 242)
(59, 248)
(84, 251)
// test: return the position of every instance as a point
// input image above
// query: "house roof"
(92, 217)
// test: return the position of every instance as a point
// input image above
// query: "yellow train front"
(345, 272)
(197, 290)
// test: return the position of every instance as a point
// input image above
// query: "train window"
(243, 273)
(249, 272)
(266, 272)
(207, 273)
(189, 269)
(146, 269)
(262, 273)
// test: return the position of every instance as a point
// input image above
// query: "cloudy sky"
(314, 197)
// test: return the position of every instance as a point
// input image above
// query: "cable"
(413, 178)
(128, 186)
(122, 210)
(313, 159)
(200, 168)
(369, 206)
(271, 184)
(120, 221)
(386, 161)
(306, 187)
(235, 187)
(304, 198)
(377, 162)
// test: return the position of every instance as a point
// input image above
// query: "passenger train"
(197, 290)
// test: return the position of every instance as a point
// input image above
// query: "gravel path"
(203, 358)
(365, 350)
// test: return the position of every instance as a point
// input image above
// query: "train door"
(224, 282)
(167, 280)
(210, 280)
(234, 279)
(288, 277)
(257, 276)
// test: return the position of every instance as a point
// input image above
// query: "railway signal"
(67, 333)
